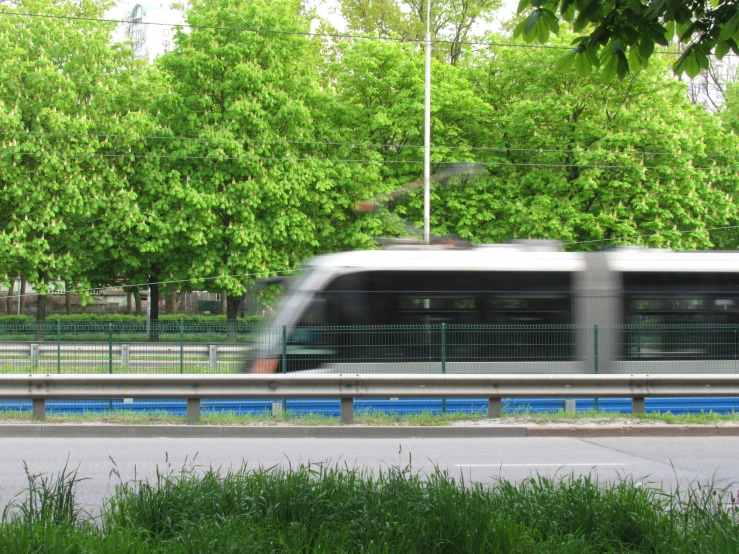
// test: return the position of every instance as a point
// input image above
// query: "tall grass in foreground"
(318, 508)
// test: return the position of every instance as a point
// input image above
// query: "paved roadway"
(666, 461)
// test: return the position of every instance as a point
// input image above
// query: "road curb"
(361, 432)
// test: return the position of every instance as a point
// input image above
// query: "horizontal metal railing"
(39, 388)
(220, 347)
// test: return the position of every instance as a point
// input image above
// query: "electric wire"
(399, 146)
(133, 157)
(268, 273)
(301, 33)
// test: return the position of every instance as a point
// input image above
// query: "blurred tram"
(522, 307)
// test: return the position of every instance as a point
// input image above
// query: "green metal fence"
(223, 347)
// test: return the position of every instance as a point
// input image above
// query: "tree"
(451, 20)
(582, 160)
(242, 185)
(56, 75)
(621, 36)
(374, 118)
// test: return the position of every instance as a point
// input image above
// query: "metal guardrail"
(348, 387)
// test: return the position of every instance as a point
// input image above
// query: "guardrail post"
(38, 409)
(443, 362)
(125, 355)
(110, 359)
(346, 411)
(213, 356)
(595, 359)
(58, 345)
(637, 405)
(193, 409)
(570, 406)
(34, 354)
(494, 407)
(182, 346)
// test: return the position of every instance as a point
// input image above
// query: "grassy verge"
(317, 508)
(126, 417)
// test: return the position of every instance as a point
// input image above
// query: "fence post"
(443, 362)
(125, 356)
(58, 345)
(213, 356)
(595, 359)
(34, 354)
(182, 346)
(284, 364)
(736, 346)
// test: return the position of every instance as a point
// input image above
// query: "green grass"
(324, 508)
(125, 417)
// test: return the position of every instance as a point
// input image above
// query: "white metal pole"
(18, 307)
(427, 135)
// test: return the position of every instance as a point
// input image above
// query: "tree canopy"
(621, 37)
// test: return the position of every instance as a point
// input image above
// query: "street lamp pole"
(427, 135)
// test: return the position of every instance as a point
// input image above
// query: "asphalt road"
(663, 461)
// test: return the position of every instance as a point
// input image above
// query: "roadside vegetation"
(126, 417)
(323, 508)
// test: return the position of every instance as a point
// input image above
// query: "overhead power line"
(301, 33)
(399, 146)
(267, 273)
(360, 161)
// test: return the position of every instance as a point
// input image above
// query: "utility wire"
(134, 157)
(301, 33)
(367, 144)
(267, 272)
(169, 282)
(663, 233)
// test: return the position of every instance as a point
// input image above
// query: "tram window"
(680, 298)
(397, 297)
(529, 310)
(445, 304)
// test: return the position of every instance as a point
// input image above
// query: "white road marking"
(541, 465)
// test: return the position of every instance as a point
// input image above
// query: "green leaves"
(583, 59)
(691, 61)
(636, 25)
(537, 26)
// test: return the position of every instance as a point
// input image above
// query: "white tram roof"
(522, 257)
(431, 258)
(637, 259)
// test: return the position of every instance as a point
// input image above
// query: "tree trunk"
(9, 299)
(231, 313)
(23, 296)
(67, 298)
(41, 310)
(129, 302)
(172, 303)
(154, 308)
(224, 304)
(137, 301)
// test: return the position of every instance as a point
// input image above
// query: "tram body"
(523, 307)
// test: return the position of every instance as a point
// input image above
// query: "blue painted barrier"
(330, 407)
